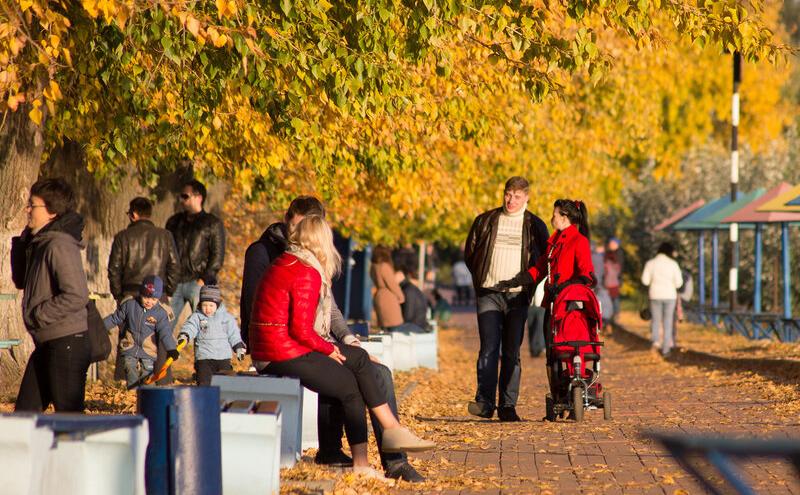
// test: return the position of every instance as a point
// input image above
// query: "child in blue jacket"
(215, 332)
(142, 320)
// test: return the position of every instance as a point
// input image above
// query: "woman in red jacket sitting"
(291, 313)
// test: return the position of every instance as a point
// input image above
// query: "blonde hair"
(314, 234)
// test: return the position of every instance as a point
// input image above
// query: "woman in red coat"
(291, 315)
(568, 258)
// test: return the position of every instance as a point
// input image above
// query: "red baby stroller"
(572, 342)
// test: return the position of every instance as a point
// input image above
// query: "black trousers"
(330, 419)
(56, 374)
(501, 325)
(352, 384)
(205, 369)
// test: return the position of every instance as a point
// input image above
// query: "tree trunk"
(21, 147)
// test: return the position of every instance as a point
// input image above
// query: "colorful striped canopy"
(788, 201)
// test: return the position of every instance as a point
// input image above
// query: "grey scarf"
(322, 320)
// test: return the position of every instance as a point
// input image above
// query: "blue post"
(714, 275)
(185, 453)
(757, 281)
(787, 282)
(701, 260)
(348, 278)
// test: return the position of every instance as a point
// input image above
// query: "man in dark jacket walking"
(200, 240)
(46, 264)
(501, 243)
(330, 415)
(140, 250)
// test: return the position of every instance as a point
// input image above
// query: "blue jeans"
(663, 311)
(184, 292)
(134, 373)
(501, 325)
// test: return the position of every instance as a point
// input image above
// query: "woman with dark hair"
(663, 276)
(46, 264)
(567, 260)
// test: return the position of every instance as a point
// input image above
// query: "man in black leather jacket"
(502, 242)
(200, 239)
(140, 250)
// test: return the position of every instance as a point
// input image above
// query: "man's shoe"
(404, 471)
(507, 413)
(333, 459)
(480, 409)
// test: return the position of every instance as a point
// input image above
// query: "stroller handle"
(578, 343)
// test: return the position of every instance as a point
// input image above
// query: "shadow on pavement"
(780, 371)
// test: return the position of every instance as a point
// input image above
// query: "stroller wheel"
(606, 405)
(577, 403)
(549, 408)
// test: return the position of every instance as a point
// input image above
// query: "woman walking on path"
(291, 310)
(567, 260)
(663, 276)
(612, 275)
(389, 296)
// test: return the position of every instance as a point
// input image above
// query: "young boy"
(215, 332)
(142, 320)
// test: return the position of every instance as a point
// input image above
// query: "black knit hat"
(210, 293)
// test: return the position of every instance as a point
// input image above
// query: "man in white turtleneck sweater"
(501, 243)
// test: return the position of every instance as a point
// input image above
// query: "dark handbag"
(99, 341)
(644, 312)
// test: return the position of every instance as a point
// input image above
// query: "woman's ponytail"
(576, 212)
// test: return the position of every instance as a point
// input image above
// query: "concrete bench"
(412, 350)
(287, 391)
(310, 406)
(72, 454)
(251, 447)
(380, 346)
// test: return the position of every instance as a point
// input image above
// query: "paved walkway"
(596, 456)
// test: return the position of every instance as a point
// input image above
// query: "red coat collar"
(562, 236)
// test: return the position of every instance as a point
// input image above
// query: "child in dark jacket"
(142, 320)
(215, 332)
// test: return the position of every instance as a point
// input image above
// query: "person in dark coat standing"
(46, 264)
(142, 249)
(330, 415)
(200, 240)
(502, 242)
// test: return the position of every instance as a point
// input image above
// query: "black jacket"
(480, 243)
(140, 250)
(258, 257)
(415, 306)
(200, 240)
